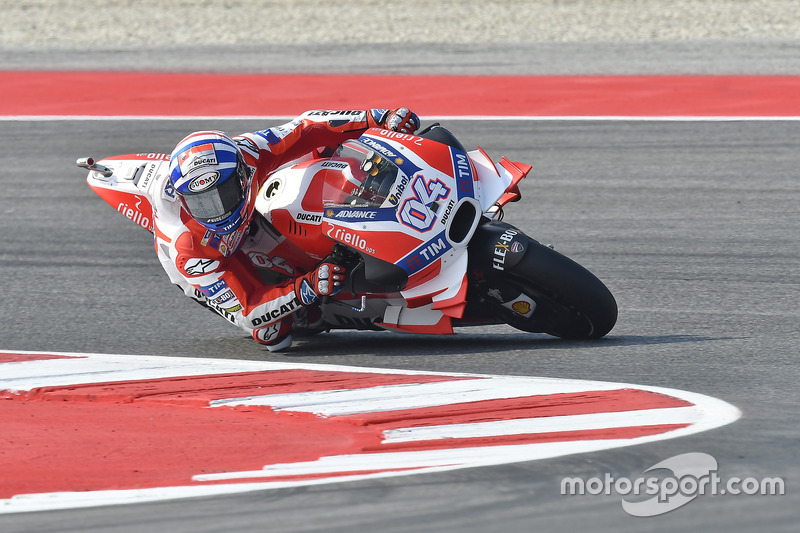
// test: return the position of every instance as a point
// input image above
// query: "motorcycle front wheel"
(570, 301)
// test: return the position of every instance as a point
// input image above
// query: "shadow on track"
(383, 344)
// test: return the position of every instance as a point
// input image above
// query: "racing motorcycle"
(418, 220)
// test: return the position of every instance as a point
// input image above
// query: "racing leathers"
(226, 272)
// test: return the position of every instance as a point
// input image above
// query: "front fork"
(494, 253)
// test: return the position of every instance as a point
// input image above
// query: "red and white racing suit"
(226, 272)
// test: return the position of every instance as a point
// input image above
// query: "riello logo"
(134, 214)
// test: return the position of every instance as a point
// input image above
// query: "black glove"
(327, 279)
(402, 120)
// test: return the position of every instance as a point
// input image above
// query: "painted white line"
(411, 396)
(547, 424)
(100, 368)
(454, 458)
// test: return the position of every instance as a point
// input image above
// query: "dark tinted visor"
(217, 203)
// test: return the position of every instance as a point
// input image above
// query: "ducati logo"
(197, 156)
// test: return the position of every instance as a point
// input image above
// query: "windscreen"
(367, 180)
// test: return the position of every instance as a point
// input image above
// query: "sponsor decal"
(355, 213)
(401, 136)
(198, 156)
(274, 135)
(463, 173)
(225, 244)
(379, 147)
(272, 188)
(143, 180)
(415, 211)
(270, 332)
(224, 297)
(522, 307)
(397, 189)
(169, 191)
(134, 213)
(496, 294)
(313, 218)
(447, 211)
(227, 315)
(335, 164)
(209, 291)
(502, 247)
(378, 114)
(247, 144)
(347, 237)
(282, 311)
(330, 113)
(307, 294)
(153, 155)
(408, 168)
(197, 266)
(204, 181)
(425, 254)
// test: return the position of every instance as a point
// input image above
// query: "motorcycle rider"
(205, 235)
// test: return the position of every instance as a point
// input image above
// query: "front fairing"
(418, 213)
(404, 212)
(130, 186)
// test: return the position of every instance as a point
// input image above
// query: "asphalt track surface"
(693, 226)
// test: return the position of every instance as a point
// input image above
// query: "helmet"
(212, 180)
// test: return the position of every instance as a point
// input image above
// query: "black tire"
(571, 303)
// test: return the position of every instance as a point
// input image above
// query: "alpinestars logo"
(198, 266)
(307, 294)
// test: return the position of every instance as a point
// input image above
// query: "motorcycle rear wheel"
(571, 302)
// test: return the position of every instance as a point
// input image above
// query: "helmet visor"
(217, 203)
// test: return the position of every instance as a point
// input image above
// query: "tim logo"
(197, 156)
(416, 211)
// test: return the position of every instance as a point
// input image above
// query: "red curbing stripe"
(54, 446)
(566, 404)
(186, 94)
(27, 357)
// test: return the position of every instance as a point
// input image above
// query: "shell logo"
(522, 307)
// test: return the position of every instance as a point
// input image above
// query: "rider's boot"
(276, 336)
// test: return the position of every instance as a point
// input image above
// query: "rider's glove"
(402, 120)
(325, 280)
